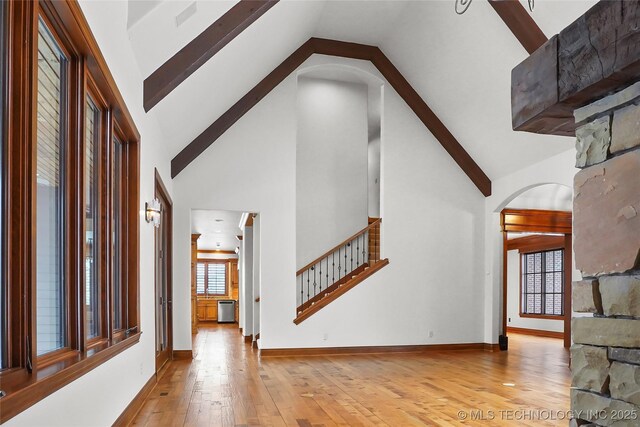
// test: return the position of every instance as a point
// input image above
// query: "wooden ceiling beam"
(595, 56)
(521, 24)
(346, 50)
(191, 57)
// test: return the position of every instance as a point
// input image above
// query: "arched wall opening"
(338, 155)
(537, 262)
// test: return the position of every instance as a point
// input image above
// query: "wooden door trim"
(161, 189)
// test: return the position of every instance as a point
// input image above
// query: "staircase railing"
(338, 265)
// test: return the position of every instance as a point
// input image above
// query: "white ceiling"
(213, 231)
(460, 65)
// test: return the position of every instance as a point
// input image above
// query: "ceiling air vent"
(183, 16)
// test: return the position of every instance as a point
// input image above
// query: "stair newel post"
(375, 244)
(365, 247)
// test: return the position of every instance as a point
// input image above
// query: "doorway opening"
(537, 264)
(217, 268)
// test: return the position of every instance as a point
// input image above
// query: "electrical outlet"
(325, 337)
(430, 334)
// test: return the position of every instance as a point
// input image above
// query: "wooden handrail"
(335, 248)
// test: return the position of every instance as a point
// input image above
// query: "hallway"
(228, 384)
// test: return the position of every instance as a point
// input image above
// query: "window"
(3, 107)
(543, 283)
(70, 259)
(91, 154)
(50, 193)
(117, 209)
(211, 278)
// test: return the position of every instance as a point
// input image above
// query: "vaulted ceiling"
(460, 65)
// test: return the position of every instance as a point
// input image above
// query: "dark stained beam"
(596, 55)
(346, 50)
(521, 24)
(191, 57)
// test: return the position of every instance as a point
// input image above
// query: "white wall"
(246, 302)
(256, 275)
(558, 169)
(433, 230)
(513, 300)
(83, 402)
(374, 177)
(331, 164)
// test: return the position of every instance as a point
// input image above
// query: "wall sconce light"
(152, 212)
(237, 250)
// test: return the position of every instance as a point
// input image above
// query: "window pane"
(116, 233)
(216, 278)
(538, 262)
(548, 304)
(200, 278)
(52, 66)
(558, 261)
(92, 132)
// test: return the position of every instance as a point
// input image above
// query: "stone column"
(605, 356)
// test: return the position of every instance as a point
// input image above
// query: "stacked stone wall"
(605, 356)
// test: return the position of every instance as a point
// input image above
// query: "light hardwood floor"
(228, 384)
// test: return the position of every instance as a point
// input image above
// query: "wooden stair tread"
(342, 288)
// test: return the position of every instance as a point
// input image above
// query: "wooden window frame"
(4, 105)
(117, 137)
(28, 378)
(227, 277)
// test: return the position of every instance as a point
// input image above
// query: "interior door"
(164, 312)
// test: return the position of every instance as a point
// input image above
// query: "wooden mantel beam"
(191, 57)
(596, 55)
(521, 24)
(346, 50)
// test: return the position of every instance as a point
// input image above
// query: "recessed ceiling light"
(218, 231)
(508, 384)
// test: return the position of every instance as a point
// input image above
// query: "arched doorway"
(535, 223)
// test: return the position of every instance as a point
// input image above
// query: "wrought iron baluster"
(314, 280)
(320, 273)
(333, 267)
(308, 279)
(302, 288)
(351, 244)
(327, 274)
(358, 251)
(339, 262)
